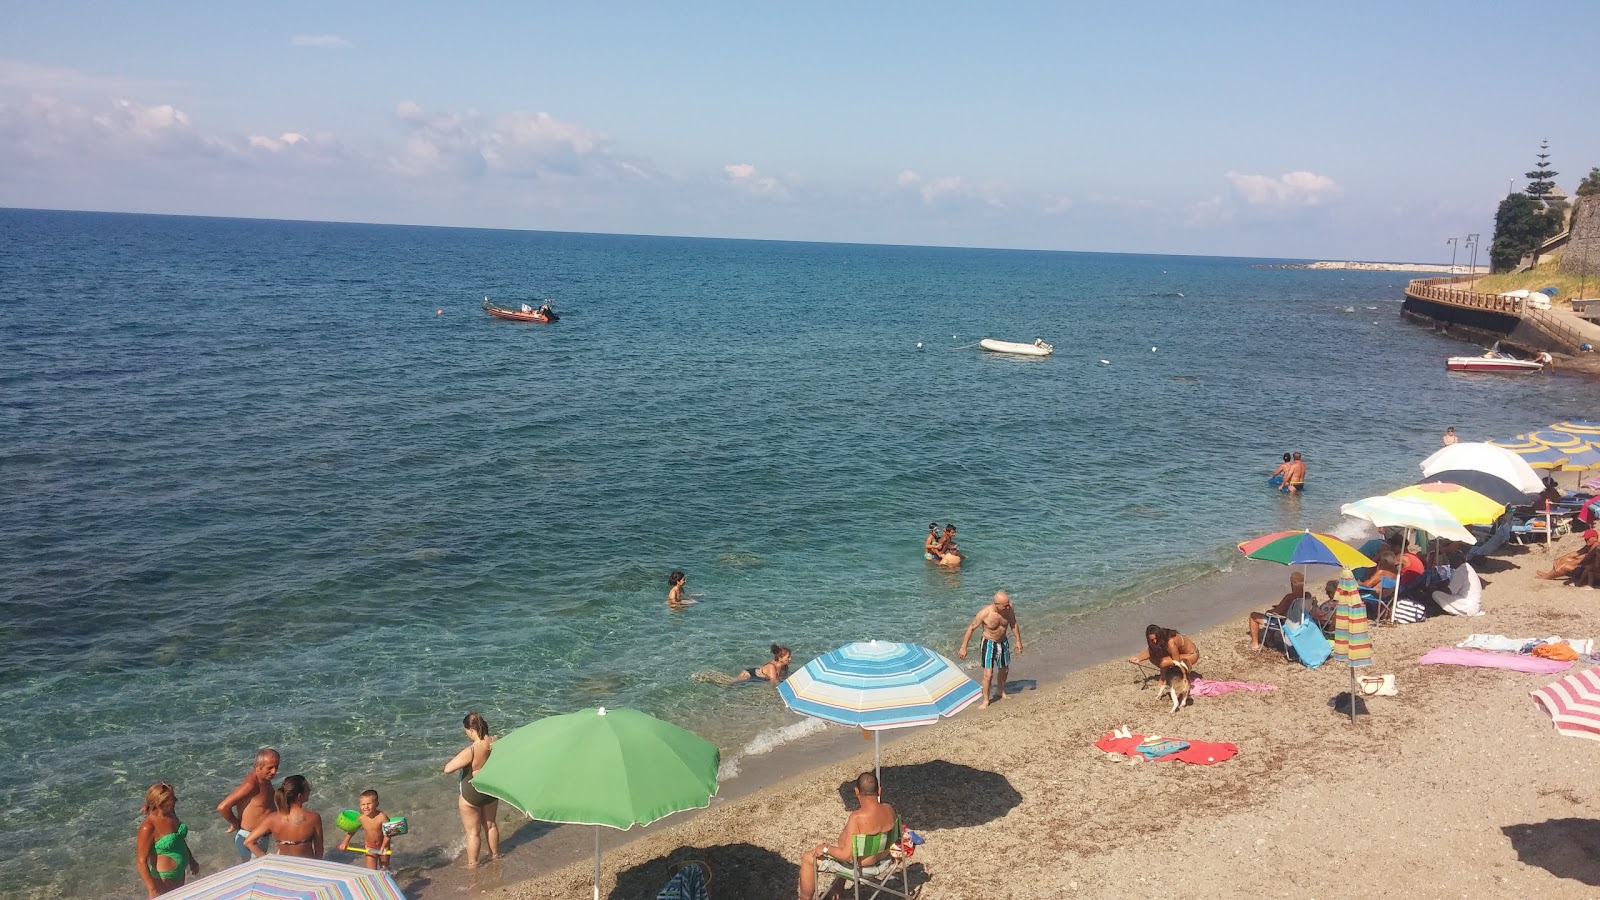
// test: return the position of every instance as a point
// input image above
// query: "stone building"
(1582, 253)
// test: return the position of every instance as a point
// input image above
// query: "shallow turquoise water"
(259, 492)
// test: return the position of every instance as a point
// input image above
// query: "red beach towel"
(1200, 753)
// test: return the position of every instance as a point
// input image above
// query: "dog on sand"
(1175, 681)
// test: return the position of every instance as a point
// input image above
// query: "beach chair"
(692, 881)
(878, 877)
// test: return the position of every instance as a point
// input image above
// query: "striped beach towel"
(1573, 704)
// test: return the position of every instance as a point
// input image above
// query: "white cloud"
(1287, 191)
(1055, 206)
(944, 188)
(745, 177)
(325, 41)
(278, 144)
(516, 144)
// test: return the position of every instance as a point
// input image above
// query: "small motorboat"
(1496, 360)
(544, 315)
(1037, 348)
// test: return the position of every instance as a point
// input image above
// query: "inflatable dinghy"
(1037, 348)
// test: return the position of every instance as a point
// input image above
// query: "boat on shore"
(1495, 360)
(1037, 348)
(544, 315)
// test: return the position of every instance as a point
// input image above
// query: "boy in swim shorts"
(376, 839)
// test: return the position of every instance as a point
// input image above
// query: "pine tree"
(1541, 179)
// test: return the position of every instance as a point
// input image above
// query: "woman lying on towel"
(1165, 647)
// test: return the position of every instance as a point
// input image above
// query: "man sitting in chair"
(873, 816)
(1297, 589)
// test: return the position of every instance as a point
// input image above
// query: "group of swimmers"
(1290, 475)
(254, 811)
(941, 548)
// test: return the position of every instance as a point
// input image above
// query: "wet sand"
(1457, 787)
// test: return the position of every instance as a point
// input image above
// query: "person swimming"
(676, 598)
(775, 671)
(930, 545)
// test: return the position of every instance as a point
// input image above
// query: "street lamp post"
(1472, 241)
(1453, 248)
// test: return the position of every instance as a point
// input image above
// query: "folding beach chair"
(692, 881)
(879, 876)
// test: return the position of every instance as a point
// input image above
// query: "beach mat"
(1198, 753)
(1488, 659)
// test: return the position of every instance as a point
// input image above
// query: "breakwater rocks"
(1344, 266)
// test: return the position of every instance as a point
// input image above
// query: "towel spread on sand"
(1522, 645)
(1205, 687)
(1455, 656)
(1199, 753)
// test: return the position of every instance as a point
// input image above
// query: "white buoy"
(1152, 349)
(919, 345)
(1105, 362)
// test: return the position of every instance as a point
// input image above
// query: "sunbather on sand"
(1165, 647)
(1569, 563)
(873, 816)
(1297, 589)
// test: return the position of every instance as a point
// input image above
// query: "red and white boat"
(1496, 360)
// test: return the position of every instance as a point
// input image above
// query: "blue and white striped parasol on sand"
(291, 878)
(878, 685)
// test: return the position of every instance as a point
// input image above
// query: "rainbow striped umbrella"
(1302, 548)
(878, 685)
(1352, 645)
(291, 878)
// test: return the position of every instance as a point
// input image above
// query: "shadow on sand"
(939, 794)
(737, 870)
(1566, 848)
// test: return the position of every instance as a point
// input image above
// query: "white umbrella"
(1408, 513)
(1488, 459)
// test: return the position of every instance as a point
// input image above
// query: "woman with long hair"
(297, 830)
(477, 809)
(162, 848)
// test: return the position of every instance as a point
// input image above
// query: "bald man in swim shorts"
(995, 619)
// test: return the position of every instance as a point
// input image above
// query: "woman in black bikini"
(774, 671)
(296, 830)
(477, 809)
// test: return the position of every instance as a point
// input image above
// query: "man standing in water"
(1294, 480)
(994, 619)
(251, 802)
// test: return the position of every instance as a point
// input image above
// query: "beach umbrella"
(613, 767)
(276, 877)
(1304, 548)
(877, 685)
(1410, 513)
(1465, 505)
(1573, 704)
(1536, 454)
(1352, 645)
(1577, 426)
(1485, 458)
(1495, 488)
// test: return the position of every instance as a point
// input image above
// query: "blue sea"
(284, 483)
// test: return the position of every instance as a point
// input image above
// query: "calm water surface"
(260, 491)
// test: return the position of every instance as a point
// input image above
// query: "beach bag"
(1310, 645)
(1409, 612)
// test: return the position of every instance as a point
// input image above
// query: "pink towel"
(1205, 687)
(1488, 659)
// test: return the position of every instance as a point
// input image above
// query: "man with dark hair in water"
(1294, 480)
(1278, 474)
(872, 816)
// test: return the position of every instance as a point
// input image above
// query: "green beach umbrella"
(613, 767)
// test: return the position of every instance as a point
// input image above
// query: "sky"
(1359, 130)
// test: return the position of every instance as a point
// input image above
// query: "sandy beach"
(1458, 786)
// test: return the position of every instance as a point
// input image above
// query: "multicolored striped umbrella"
(291, 878)
(1465, 505)
(1573, 704)
(1352, 645)
(1303, 548)
(879, 685)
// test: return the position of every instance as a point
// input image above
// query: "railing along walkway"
(1444, 290)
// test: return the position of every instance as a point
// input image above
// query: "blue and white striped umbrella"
(274, 877)
(878, 685)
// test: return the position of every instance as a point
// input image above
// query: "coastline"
(1458, 785)
(1016, 803)
(1355, 266)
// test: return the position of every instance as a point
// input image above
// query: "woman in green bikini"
(162, 856)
